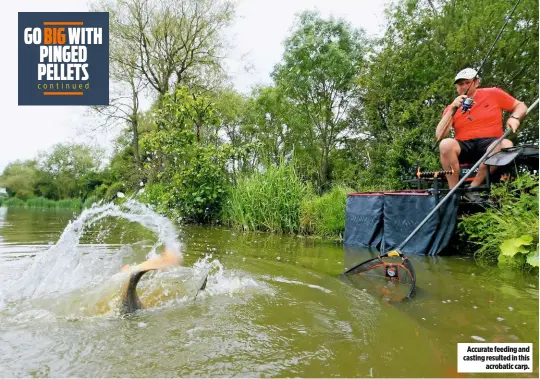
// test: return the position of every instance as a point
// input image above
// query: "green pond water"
(274, 306)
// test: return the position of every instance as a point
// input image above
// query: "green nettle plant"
(507, 232)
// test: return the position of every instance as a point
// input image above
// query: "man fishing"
(477, 128)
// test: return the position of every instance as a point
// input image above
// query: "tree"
(173, 40)
(272, 122)
(127, 89)
(157, 45)
(409, 80)
(318, 74)
(187, 176)
(19, 179)
(69, 166)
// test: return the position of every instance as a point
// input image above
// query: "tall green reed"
(267, 201)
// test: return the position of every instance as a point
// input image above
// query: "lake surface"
(274, 306)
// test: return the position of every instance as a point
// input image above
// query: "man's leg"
(480, 176)
(450, 151)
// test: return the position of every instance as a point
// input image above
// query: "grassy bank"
(278, 201)
(324, 215)
(267, 201)
(43, 203)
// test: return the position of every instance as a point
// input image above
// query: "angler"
(478, 128)
(382, 219)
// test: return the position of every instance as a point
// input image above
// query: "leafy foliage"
(19, 179)
(318, 74)
(192, 175)
(325, 215)
(507, 232)
(66, 171)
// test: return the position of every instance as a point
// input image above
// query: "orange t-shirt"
(486, 114)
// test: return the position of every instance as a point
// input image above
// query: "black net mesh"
(393, 279)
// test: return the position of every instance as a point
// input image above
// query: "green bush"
(267, 201)
(325, 215)
(198, 189)
(193, 191)
(507, 232)
(156, 195)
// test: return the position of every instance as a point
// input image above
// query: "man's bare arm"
(519, 110)
(446, 122)
(444, 125)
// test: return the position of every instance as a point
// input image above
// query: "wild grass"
(325, 215)
(42, 203)
(13, 202)
(266, 201)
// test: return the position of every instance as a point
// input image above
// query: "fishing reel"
(467, 104)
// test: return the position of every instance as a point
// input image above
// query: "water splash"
(226, 282)
(66, 266)
(73, 280)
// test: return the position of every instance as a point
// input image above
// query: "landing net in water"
(390, 276)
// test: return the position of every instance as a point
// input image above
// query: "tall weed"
(266, 201)
(42, 203)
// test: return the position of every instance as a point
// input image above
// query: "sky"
(256, 39)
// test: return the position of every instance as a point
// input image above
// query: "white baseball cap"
(467, 73)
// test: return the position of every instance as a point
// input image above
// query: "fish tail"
(130, 299)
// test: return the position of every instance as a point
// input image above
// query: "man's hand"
(458, 101)
(513, 123)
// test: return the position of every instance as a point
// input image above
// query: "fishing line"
(468, 102)
(401, 273)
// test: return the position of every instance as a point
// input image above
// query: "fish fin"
(202, 287)
(167, 259)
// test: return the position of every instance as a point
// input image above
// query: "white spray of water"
(73, 280)
(222, 282)
(64, 267)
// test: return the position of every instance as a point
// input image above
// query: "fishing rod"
(468, 101)
(397, 251)
(480, 161)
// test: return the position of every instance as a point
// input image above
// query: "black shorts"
(473, 149)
